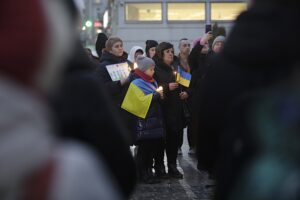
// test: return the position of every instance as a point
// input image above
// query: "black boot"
(148, 178)
(173, 172)
(160, 171)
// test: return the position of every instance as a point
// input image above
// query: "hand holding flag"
(183, 78)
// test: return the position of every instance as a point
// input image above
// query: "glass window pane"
(143, 12)
(186, 11)
(226, 11)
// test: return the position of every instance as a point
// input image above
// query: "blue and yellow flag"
(138, 97)
(183, 78)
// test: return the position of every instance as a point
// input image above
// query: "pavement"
(194, 185)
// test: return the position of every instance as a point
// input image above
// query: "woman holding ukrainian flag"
(165, 74)
(143, 101)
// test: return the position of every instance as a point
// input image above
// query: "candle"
(135, 66)
(175, 74)
(160, 88)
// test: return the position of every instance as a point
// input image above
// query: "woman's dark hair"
(160, 49)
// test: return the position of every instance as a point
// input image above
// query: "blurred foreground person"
(242, 111)
(35, 164)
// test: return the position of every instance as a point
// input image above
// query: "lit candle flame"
(160, 88)
(135, 66)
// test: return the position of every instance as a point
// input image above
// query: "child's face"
(150, 71)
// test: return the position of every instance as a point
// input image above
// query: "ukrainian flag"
(138, 97)
(183, 78)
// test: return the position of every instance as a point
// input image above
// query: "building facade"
(135, 21)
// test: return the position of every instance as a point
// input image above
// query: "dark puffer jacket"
(172, 105)
(152, 126)
(116, 91)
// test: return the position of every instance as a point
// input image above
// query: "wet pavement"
(194, 185)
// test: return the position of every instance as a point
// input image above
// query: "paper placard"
(118, 71)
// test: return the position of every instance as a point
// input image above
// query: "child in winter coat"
(143, 101)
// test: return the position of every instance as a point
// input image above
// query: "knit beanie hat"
(144, 63)
(150, 44)
(220, 38)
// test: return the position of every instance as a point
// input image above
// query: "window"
(226, 11)
(186, 11)
(143, 12)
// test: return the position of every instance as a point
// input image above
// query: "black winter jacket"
(116, 91)
(172, 104)
(152, 126)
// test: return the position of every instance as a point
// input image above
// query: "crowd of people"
(67, 121)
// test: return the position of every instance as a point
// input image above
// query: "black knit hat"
(100, 43)
(150, 44)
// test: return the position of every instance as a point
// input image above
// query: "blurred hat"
(144, 63)
(220, 38)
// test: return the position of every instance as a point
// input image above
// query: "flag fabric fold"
(183, 78)
(138, 97)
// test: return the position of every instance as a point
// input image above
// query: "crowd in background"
(67, 126)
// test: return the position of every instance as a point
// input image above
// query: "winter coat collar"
(107, 56)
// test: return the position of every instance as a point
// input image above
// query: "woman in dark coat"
(114, 54)
(172, 108)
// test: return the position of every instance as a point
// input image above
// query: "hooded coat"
(132, 52)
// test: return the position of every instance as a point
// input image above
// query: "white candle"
(135, 66)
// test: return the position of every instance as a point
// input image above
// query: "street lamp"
(88, 23)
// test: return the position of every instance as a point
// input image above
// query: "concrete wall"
(137, 33)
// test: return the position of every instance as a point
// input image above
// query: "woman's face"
(218, 47)
(117, 49)
(168, 56)
(152, 51)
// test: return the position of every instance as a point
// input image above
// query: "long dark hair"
(160, 49)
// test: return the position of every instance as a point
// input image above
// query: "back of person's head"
(161, 47)
(149, 45)
(100, 43)
(111, 41)
(144, 62)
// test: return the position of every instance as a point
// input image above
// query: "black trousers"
(173, 139)
(147, 149)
